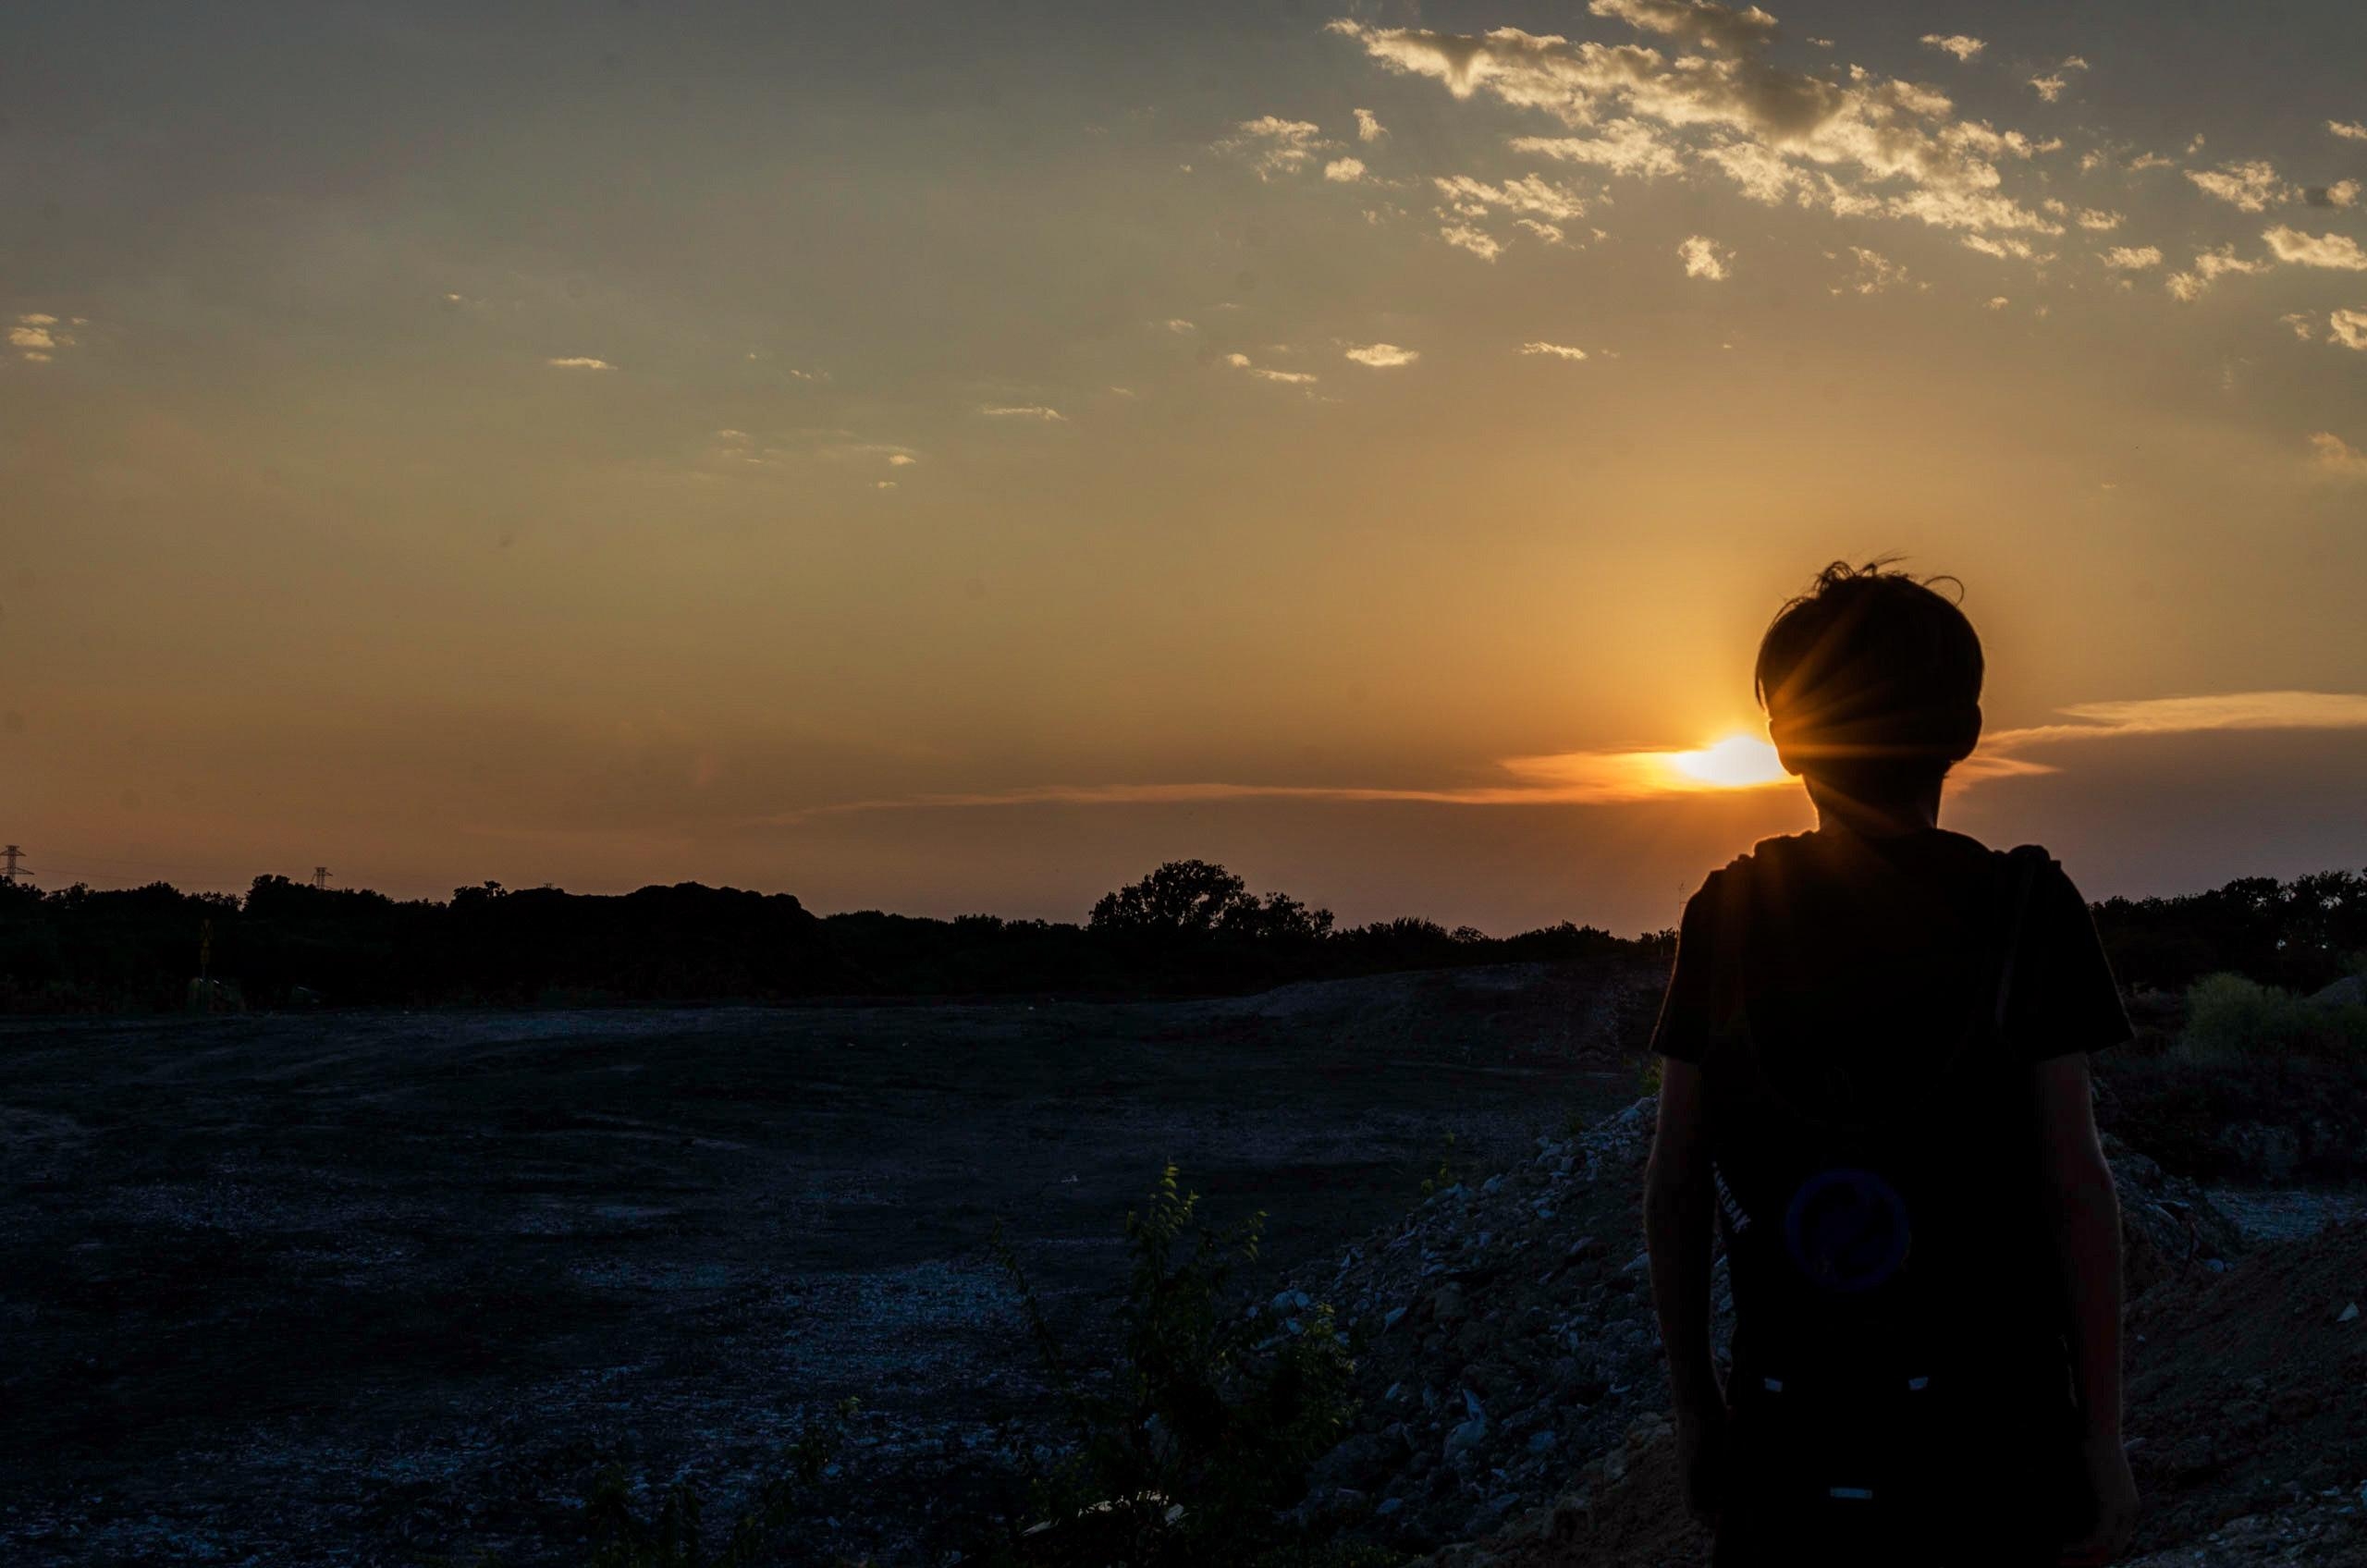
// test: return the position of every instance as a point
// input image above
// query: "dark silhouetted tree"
(1196, 898)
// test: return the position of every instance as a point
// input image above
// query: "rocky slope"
(1514, 1397)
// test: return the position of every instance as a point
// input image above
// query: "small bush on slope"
(1213, 1419)
(2232, 1019)
(674, 1536)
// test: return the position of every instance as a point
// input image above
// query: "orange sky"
(917, 463)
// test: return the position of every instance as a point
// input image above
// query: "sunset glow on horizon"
(1738, 762)
(946, 458)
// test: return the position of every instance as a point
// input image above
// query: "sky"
(955, 458)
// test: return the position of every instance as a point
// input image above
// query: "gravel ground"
(366, 1287)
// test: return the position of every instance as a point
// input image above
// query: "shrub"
(1214, 1417)
(674, 1534)
(2232, 1019)
(1443, 1178)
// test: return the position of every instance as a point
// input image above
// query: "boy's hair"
(1871, 681)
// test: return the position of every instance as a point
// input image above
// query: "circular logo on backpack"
(1846, 1229)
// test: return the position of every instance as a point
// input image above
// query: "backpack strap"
(1731, 1048)
(2023, 865)
(1728, 975)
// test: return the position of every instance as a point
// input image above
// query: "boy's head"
(1871, 683)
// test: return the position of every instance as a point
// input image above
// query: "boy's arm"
(1678, 1209)
(2086, 1214)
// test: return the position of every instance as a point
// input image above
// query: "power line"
(10, 871)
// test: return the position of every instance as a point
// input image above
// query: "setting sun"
(1736, 762)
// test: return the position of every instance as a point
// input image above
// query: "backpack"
(1891, 1331)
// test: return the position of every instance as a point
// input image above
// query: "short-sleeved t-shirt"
(1855, 944)
(1867, 965)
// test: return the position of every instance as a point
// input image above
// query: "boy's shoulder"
(1740, 872)
(1938, 850)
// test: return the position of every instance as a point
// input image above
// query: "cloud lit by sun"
(1738, 762)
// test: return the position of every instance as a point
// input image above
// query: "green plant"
(2232, 1019)
(1443, 1178)
(1210, 1421)
(673, 1535)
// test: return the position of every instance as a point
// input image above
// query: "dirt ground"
(2248, 1436)
(385, 1288)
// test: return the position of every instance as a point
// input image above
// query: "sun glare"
(1736, 762)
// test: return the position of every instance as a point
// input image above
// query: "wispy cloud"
(2348, 329)
(2208, 268)
(1553, 351)
(38, 335)
(1024, 411)
(1872, 272)
(1478, 241)
(2004, 753)
(1627, 146)
(1272, 146)
(2130, 258)
(1957, 43)
(1382, 356)
(1782, 135)
(579, 361)
(1705, 22)
(1539, 206)
(2335, 455)
(2004, 246)
(2049, 85)
(1565, 779)
(1612, 777)
(1345, 171)
(2349, 130)
(1530, 194)
(740, 448)
(1703, 257)
(1368, 127)
(2336, 251)
(2252, 187)
(1263, 372)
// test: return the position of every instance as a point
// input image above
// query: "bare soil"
(2247, 1435)
(392, 1288)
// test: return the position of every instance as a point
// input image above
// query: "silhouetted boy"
(1875, 1077)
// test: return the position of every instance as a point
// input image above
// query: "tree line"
(1188, 927)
